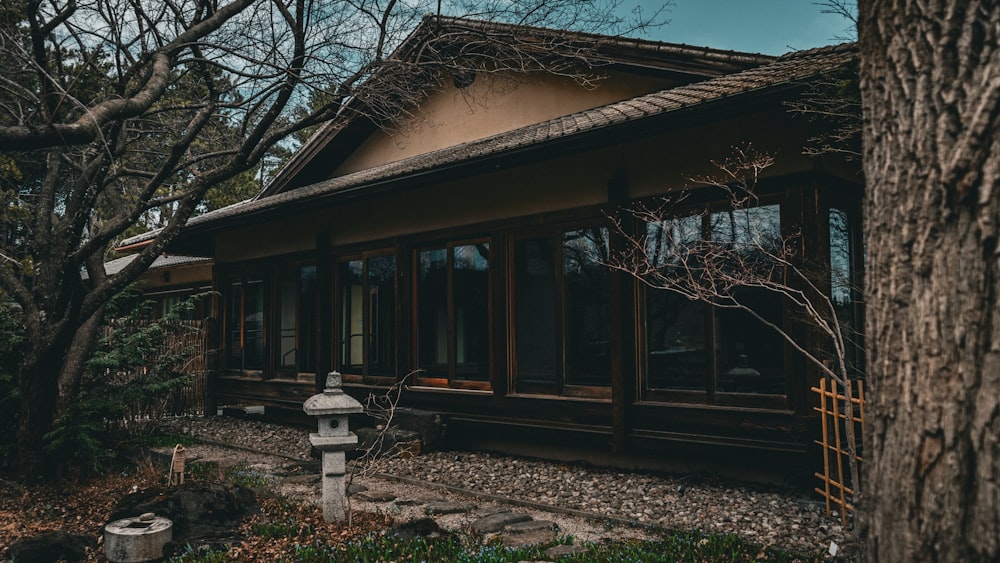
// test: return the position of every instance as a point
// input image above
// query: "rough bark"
(71, 371)
(930, 80)
(39, 377)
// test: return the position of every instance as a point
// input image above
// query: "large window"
(845, 283)
(271, 321)
(560, 317)
(453, 314)
(696, 342)
(295, 319)
(367, 286)
(245, 322)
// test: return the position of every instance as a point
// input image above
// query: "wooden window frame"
(280, 273)
(364, 377)
(710, 395)
(850, 205)
(270, 272)
(559, 388)
(243, 276)
(449, 380)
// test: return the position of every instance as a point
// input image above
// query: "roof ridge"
(845, 47)
(620, 40)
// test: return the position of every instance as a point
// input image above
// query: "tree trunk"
(930, 80)
(39, 387)
(71, 371)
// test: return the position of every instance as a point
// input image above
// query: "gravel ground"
(786, 519)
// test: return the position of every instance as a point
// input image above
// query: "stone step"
(497, 522)
(447, 507)
(489, 510)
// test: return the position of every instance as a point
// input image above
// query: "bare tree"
(114, 109)
(746, 253)
(381, 409)
(930, 89)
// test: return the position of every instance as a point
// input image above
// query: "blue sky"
(772, 27)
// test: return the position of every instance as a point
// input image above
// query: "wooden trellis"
(833, 441)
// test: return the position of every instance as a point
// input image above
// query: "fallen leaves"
(281, 528)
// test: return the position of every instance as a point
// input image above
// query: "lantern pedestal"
(332, 407)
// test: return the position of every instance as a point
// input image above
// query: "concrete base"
(137, 539)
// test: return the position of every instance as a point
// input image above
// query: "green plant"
(208, 471)
(193, 555)
(136, 365)
(288, 529)
(11, 348)
(167, 440)
(246, 476)
(677, 546)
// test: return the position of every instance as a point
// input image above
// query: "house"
(462, 248)
(170, 280)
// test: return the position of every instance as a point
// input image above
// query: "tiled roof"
(785, 71)
(114, 266)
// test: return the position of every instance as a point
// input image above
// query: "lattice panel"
(836, 455)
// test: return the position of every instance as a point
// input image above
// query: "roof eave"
(544, 149)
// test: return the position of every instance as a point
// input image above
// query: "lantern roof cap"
(332, 400)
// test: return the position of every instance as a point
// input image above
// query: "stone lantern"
(332, 406)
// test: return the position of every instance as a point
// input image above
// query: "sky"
(771, 27)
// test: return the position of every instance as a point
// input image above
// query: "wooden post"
(211, 350)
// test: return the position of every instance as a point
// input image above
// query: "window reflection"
(432, 307)
(307, 319)
(561, 310)
(840, 259)
(368, 315)
(472, 311)
(675, 341)
(453, 315)
(381, 294)
(585, 307)
(842, 285)
(535, 310)
(287, 323)
(748, 356)
(670, 242)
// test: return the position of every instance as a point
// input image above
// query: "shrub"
(12, 343)
(127, 379)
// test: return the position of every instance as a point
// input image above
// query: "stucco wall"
(195, 274)
(492, 104)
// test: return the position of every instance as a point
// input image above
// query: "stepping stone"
(447, 507)
(497, 522)
(558, 551)
(532, 532)
(355, 488)
(408, 502)
(489, 510)
(421, 527)
(377, 496)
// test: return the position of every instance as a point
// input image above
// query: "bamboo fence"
(836, 489)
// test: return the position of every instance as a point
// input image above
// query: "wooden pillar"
(620, 319)
(324, 284)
